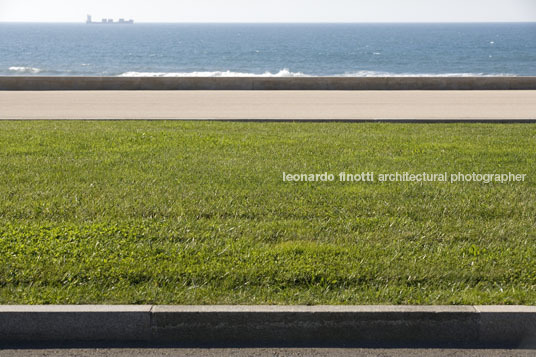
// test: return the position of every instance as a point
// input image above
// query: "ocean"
(268, 50)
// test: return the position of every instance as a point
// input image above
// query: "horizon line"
(281, 22)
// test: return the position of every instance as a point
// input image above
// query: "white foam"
(390, 74)
(287, 73)
(281, 73)
(25, 69)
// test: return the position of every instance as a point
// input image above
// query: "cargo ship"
(90, 21)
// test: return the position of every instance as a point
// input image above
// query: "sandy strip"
(293, 105)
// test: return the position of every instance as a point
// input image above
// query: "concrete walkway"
(271, 105)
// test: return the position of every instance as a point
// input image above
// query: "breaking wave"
(391, 74)
(288, 73)
(281, 73)
(20, 70)
(31, 70)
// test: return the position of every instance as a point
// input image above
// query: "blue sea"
(268, 49)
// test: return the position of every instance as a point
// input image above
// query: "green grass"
(197, 213)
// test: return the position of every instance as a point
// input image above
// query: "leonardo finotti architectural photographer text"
(405, 177)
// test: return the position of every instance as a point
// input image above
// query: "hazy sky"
(270, 10)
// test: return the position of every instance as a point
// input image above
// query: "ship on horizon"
(90, 21)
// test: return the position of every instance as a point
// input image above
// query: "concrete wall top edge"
(505, 309)
(270, 308)
(275, 78)
(314, 309)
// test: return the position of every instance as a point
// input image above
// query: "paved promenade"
(278, 105)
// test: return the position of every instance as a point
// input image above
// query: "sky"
(270, 10)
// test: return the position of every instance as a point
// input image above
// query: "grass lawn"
(198, 213)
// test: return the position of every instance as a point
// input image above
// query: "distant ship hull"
(110, 23)
(89, 21)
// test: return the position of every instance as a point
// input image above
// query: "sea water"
(268, 49)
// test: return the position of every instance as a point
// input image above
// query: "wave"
(281, 73)
(288, 73)
(392, 74)
(20, 70)
(31, 70)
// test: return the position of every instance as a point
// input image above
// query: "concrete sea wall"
(35, 83)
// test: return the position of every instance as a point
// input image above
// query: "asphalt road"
(296, 352)
(289, 105)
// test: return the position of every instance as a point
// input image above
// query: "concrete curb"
(36, 83)
(256, 326)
